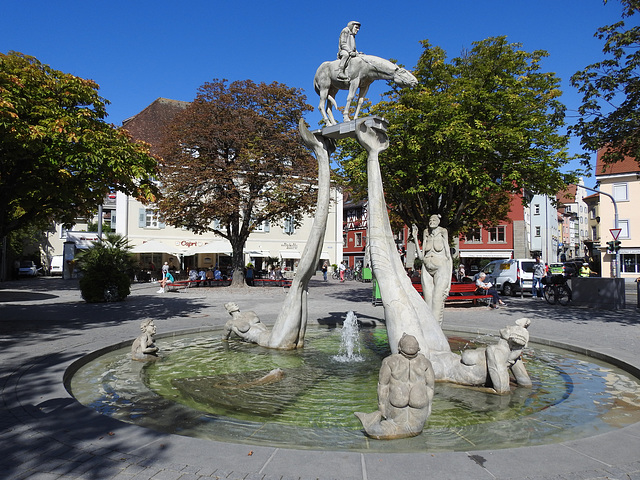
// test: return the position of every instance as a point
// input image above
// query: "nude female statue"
(437, 265)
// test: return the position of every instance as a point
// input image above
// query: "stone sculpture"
(362, 70)
(405, 393)
(245, 325)
(290, 327)
(143, 348)
(404, 309)
(437, 265)
(492, 366)
(347, 47)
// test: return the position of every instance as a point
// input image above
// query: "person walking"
(325, 268)
(342, 268)
(539, 272)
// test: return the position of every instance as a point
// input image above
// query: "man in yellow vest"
(585, 271)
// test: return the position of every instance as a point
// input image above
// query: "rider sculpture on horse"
(354, 71)
(347, 47)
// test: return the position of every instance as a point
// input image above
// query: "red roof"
(149, 124)
(628, 165)
(567, 196)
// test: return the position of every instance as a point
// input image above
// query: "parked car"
(28, 268)
(556, 268)
(507, 275)
(56, 267)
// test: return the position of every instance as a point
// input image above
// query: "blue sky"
(139, 50)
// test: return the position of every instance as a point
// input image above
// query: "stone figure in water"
(245, 325)
(492, 366)
(143, 347)
(405, 393)
(437, 265)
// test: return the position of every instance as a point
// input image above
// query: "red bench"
(460, 292)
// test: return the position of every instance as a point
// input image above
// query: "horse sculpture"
(362, 70)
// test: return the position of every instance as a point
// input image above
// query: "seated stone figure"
(245, 325)
(143, 347)
(494, 363)
(405, 393)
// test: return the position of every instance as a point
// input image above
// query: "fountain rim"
(73, 368)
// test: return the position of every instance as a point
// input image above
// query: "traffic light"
(610, 246)
(616, 245)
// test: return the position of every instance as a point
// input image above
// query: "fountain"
(265, 388)
(350, 344)
(312, 405)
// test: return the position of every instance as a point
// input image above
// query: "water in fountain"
(350, 344)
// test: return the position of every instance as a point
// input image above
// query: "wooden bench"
(460, 292)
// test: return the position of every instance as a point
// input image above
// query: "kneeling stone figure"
(405, 392)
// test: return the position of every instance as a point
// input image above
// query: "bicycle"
(556, 290)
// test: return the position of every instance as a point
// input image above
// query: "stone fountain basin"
(203, 387)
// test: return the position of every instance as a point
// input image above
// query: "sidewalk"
(45, 434)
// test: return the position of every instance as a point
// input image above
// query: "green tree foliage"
(58, 157)
(475, 130)
(233, 159)
(107, 269)
(610, 110)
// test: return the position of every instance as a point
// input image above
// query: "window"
(358, 239)
(630, 263)
(623, 225)
(536, 209)
(474, 236)
(149, 218)
(620, 192)
(262, 227)
(497, 234)
(289, 226)
(537, 231)
(593, 233)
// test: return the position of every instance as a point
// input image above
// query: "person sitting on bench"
(488, 289)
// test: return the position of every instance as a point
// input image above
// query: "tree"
(233, 159)
(610, 110)
(107, 269)
(474, 131)
(58, 156)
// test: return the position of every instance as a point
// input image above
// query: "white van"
(56, 266)
(507, 275)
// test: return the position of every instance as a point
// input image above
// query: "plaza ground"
(45, 434)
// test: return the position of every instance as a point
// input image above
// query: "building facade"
(621, 181)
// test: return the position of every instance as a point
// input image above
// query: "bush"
(106, 270)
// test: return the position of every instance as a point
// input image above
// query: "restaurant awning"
(258, 253)
(485, 253)
(286, 254)
(219, 246)
(154, 246)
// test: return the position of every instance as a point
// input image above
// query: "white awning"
(219, 246)
(258, 253)
(83, 240)
(154, 246)
(324, 256)
(485, 253)
(290, 254)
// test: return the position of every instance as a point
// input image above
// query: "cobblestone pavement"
(45, 434)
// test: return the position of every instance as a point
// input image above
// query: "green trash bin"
(366, 274)
(376, 298)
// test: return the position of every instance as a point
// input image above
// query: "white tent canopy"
(154, 246)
